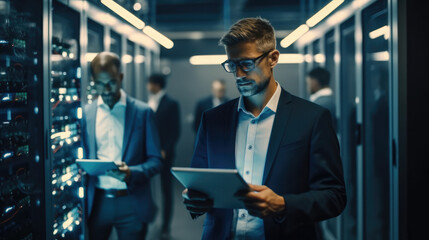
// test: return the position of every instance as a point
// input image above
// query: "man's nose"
(239, 73)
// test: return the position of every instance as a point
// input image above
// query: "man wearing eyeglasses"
(121, 129)
(283, 146)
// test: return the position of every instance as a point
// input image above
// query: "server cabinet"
(22, 141)
(66, 112)
(41, 187)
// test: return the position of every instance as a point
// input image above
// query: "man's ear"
(121, 76)
(274, 58)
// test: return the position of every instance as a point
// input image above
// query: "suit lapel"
(283, 113)
(130, 112)
(230, 135)
(91, 116)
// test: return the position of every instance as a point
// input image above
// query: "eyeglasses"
(100, 85)
(246, 65)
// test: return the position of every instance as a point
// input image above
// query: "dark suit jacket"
(140, 150)
(203, 105)
(167, 118)
(303, 165)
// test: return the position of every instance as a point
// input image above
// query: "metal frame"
(398, 113)
(47, 36)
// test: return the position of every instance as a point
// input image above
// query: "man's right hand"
(196, 202)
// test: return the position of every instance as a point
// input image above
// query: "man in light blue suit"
(121, 129)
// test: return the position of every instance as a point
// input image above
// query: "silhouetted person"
(167, 119)
(318, 86)
(119, 128)
(217, 98)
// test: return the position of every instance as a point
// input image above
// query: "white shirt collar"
(157, 96)
(272, 103)
(322, 92)
(122, 100)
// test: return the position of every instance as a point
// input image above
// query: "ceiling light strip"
(293, 36)
(157, 36)
(325, 11)
(124, 13)
(311, 22)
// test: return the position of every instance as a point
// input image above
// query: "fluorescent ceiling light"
(380, 56)
(218, 59)
(90, 56)
(319, 58)
(380, 32)
(293, 36)
(139, 59)
(325, 11)
(124, 13)
(127, 58)
(157, 36)
(207, 59)
(291, 58)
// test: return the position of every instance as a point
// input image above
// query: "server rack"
(41, 187)
(66, 111)
(22, 138)
(43, 83)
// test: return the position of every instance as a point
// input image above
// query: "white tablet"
(96, 166)
(219, 184)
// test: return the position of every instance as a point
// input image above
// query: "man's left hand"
(262, 202)
(122, 174)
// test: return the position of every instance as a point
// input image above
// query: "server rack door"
(348, 127)
(67, 183)
(376, 121)
(21, 114)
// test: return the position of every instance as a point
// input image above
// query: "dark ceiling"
(195, 26)
(212, 15)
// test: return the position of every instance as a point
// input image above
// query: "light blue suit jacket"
(140, 151)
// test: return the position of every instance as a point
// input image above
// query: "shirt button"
(253, 121)
(243, 215)
(247, 172)
(250, 147)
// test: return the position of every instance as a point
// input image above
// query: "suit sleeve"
(197, 117)
(199, 158)
(326, 197)
(152, 163)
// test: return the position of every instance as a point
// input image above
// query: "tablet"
(219, 184)
(96, 166)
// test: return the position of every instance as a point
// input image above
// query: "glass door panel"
(376, 121)
(348, 127)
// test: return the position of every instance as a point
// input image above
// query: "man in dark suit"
(167, 118)
(283, 146)
(321, 94)
(121, 129)
(217, 98)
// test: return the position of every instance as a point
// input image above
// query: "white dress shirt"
(252, 138)
(109, 133)
(154, 100)
(320, 93)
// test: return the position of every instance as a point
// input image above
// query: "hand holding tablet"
(219, 185)
(97, 167)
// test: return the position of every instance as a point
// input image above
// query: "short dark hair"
(321, 75)
(257, 30)
(159, 79)
(105, 60)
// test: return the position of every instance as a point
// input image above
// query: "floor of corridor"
(182, 225)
